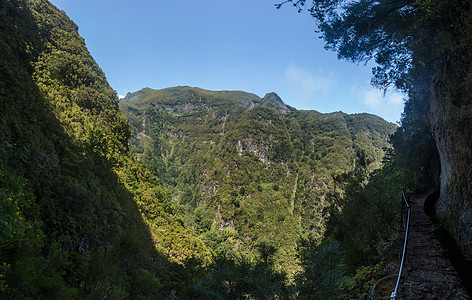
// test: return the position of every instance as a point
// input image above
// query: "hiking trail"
(427, 274)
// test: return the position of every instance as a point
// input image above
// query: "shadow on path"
(427, 274)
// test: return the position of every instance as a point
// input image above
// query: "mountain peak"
(272, 96)
(274, 101)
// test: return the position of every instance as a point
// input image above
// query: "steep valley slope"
(80, 218)
(91, 208)
(248, 171)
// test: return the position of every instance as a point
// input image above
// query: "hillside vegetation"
(250, 172)
(79, 217)
(421, 48)
(207, 195)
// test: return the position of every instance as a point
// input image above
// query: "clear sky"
(246, 45)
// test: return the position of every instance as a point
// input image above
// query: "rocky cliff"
(450, 122)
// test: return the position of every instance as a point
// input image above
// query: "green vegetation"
(422, 48)
(247, 171)
(316, 188)
(79, 217)
(239, 278)
(210, 195)
(409, 40)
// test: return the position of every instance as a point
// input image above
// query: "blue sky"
(246, 45)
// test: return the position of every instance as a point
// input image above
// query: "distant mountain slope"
(247, 170)
(79, 217)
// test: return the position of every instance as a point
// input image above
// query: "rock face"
(450, 122)
(274, 101)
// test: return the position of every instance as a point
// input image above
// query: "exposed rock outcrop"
(450, 123)
(273, 100)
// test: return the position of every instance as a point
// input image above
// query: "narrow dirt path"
(427, 274)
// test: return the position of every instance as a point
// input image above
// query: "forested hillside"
(423, 49)
(194, 194)
(79, 217)
(248, 171)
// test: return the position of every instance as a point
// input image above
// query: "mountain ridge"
(145, 94)
(241, 167)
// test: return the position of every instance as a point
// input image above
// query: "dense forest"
(195, 194)
(248, 171)
(79, 216)
(421, 48)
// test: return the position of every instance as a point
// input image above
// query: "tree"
(421, 47)
(322, 272)
(401, 36)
